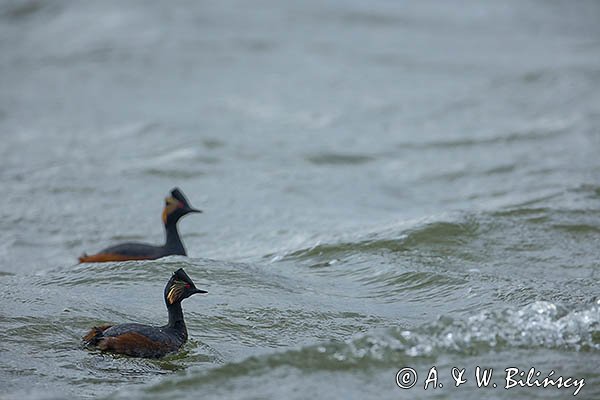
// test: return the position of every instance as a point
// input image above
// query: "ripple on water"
(173, 173)
(539, 134)
(338, 159)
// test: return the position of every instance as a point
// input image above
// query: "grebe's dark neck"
(176, 321)
(173, 243)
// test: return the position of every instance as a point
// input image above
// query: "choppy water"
(384, 185)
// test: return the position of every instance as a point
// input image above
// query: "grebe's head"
(176, 206)
(180, 287)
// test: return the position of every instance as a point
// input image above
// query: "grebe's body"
(147, 341)
(176, 206)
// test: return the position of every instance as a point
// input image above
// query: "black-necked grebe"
(139, 340)
(176, 206)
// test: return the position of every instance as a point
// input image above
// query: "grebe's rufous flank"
(176, 206)
(139, 340)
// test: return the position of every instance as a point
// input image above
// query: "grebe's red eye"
(180, 205)
(187, 286)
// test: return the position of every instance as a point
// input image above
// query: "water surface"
(384, 185)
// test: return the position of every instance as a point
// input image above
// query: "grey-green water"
(384, 185)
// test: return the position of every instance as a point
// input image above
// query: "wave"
(429, 234)
(463, 235)
(539, 325)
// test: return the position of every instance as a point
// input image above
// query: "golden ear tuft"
(170, 206)
(175, 291)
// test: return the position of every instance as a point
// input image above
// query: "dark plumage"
(139, 340)
(176, 206)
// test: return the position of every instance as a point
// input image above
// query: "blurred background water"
(384, 184)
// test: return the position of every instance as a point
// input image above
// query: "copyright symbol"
(406, 378)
